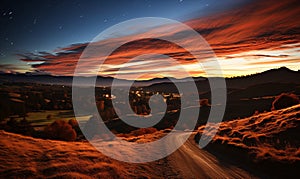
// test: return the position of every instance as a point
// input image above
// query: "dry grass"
(270, 136)
(27, 157)
(144, 135)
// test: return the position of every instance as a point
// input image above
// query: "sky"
(246, 36)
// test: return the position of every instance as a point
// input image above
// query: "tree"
(285, 100)
(60, 130)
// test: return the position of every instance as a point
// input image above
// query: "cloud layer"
(253, 38)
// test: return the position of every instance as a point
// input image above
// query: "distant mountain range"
(67, 80)
(280, 75)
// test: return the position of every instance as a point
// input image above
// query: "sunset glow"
(255, 37)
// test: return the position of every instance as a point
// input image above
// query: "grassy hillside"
(26, 157)
(268, 141)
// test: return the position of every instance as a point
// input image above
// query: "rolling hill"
(268, 142)
(27, 157)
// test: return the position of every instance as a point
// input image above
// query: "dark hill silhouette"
(280, 75)
(263, 90)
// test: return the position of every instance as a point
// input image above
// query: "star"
(2, 54)
(8, 14)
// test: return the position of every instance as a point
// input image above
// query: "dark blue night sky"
(34, 26)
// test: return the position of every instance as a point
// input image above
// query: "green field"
(39, 119)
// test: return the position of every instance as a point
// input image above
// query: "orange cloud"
(251, 37)
(259, 25)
